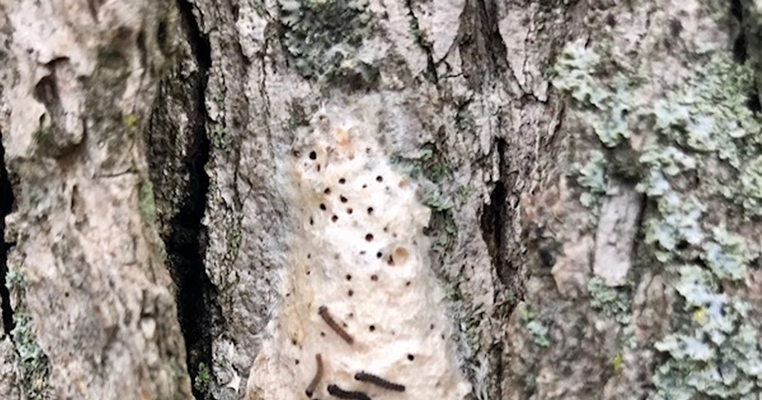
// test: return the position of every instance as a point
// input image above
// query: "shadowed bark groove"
(415, 26)
(739, 44)
(494, 221)
(6, 205)
(178, 153)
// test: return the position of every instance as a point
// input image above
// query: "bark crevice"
(6, 206)
(494, 219)
(431, 70)
(185, 234)
(739, 44)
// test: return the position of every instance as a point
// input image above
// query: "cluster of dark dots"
(368, 238)
(344, 200)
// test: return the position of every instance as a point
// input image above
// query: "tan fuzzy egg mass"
(359, 290)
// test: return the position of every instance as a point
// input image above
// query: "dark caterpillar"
(336, 391)
(323, 311)
(318, 375)
(378, 381)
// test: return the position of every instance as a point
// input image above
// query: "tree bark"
(93, 311)
(592, 169)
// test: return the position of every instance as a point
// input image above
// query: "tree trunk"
(591, 173)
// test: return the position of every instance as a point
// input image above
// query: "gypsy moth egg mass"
(359, 311)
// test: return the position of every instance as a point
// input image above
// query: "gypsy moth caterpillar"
(318, 375)
(323, 311)
(336, 391)
(378, 381)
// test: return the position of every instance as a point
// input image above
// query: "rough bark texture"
(593, 167)
(93, 310)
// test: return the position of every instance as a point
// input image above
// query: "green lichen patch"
(604, 105)
(725, 254)
(592, 177)
(716, 353)
(614, 302)
(430, 168)
(704, 128)
(710, 112)
(203, 378)
(324, 36)
(15, 280)
(663, 162)
(678, 226)
(536, 329)
(33, 363)
(146, 202)
(703, 153)
(751, 187)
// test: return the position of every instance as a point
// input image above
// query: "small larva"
(323, 311)
(318, 375)
(378, 381)
(336, 391)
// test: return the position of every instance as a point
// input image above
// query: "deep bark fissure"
(431, 70)
(493, 218)
(481, 45)
(739, 44)
(186, 241)
(6, 205)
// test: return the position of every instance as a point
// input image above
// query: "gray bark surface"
(94, 315)
(595, 210)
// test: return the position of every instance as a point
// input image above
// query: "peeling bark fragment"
(617, 228)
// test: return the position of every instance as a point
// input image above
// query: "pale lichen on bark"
(687, 127)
